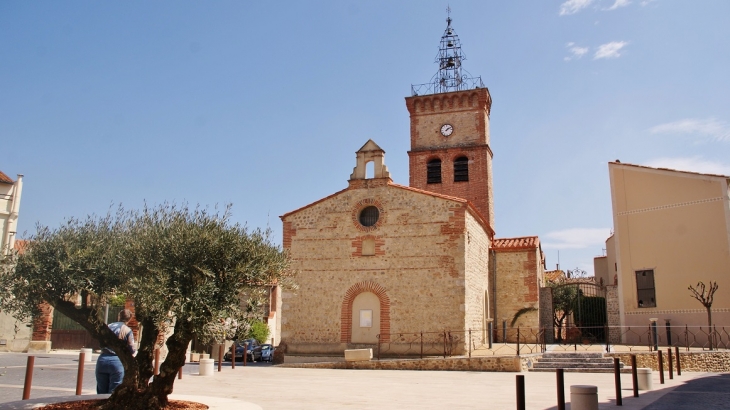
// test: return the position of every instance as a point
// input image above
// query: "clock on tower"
(450, 151)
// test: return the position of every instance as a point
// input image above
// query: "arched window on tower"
(461, 169)
(433, 174)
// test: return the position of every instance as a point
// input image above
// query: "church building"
(377, 259)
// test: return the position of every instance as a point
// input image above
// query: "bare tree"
(705, 296)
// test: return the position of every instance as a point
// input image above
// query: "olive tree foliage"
(185, 269)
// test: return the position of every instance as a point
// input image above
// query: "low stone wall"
(478, 364)
(691, 361)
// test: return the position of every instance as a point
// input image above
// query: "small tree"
(185, 269)
(259, 331)
(564, 296)
(705, 297)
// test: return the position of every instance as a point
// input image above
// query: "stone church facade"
(377, 259)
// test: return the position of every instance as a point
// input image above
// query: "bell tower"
(450, 151)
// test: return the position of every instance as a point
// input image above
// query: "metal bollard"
(157, 362)
(670, 362)
(220, 357)
(80, 373)
(233, 355)
(28, 377)
(520, 392)
(661, 367)
(561, 388)
(245, 353)
(634, 375)
(179, 373)
(617, 379)
(679, 363)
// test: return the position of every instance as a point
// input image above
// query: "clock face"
(446, 130)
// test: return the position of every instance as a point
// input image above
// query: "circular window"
(369, 216)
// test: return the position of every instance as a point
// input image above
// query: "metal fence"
(526, 340)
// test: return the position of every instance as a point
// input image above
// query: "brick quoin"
(530, 280)
(43, 323)
(289, 232)
(346, 315)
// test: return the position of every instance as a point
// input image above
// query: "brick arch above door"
(346, 315)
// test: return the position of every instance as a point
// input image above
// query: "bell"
(449, 31)
(450, 44)
(450, 63)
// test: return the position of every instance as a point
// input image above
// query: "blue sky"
(263, 104)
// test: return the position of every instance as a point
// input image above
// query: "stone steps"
(584, 362)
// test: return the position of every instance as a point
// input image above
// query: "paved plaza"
(268, 387)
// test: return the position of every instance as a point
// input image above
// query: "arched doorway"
(365, 318)
(374, 299)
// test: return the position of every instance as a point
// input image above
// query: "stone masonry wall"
(690, 361)
(613, 314)
(518, 287)
(546, 314)
(479, 364)
(419, 264)
(477, 278)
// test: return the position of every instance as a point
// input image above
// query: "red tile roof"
(20, 245)
(5, 179)
(554, 275)
(510, 244)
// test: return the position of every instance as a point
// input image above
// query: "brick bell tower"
(450, 151)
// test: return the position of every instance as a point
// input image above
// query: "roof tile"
(525, 242)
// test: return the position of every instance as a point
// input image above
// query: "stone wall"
(517, 287)
(14, 334)
(476, 272)
(613, 314)
(691, 361)
(418, 267)
(479, 364)
(546, 314)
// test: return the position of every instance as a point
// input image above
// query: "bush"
(259, 331)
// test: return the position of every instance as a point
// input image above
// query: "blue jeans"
(109, 373)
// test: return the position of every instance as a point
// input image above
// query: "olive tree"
(185, 269)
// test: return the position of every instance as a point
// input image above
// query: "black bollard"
(561, 388)
(679, 363)
(617, 379)
(634, 375)
(520, 392)
(661, 367)
(670, 362)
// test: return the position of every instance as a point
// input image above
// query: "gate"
(579, 312)
(67, 334)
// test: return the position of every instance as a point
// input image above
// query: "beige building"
(10, 192)
(671, 230)
(14, 335)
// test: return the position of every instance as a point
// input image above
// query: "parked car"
(265, 353)
(252, 344)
